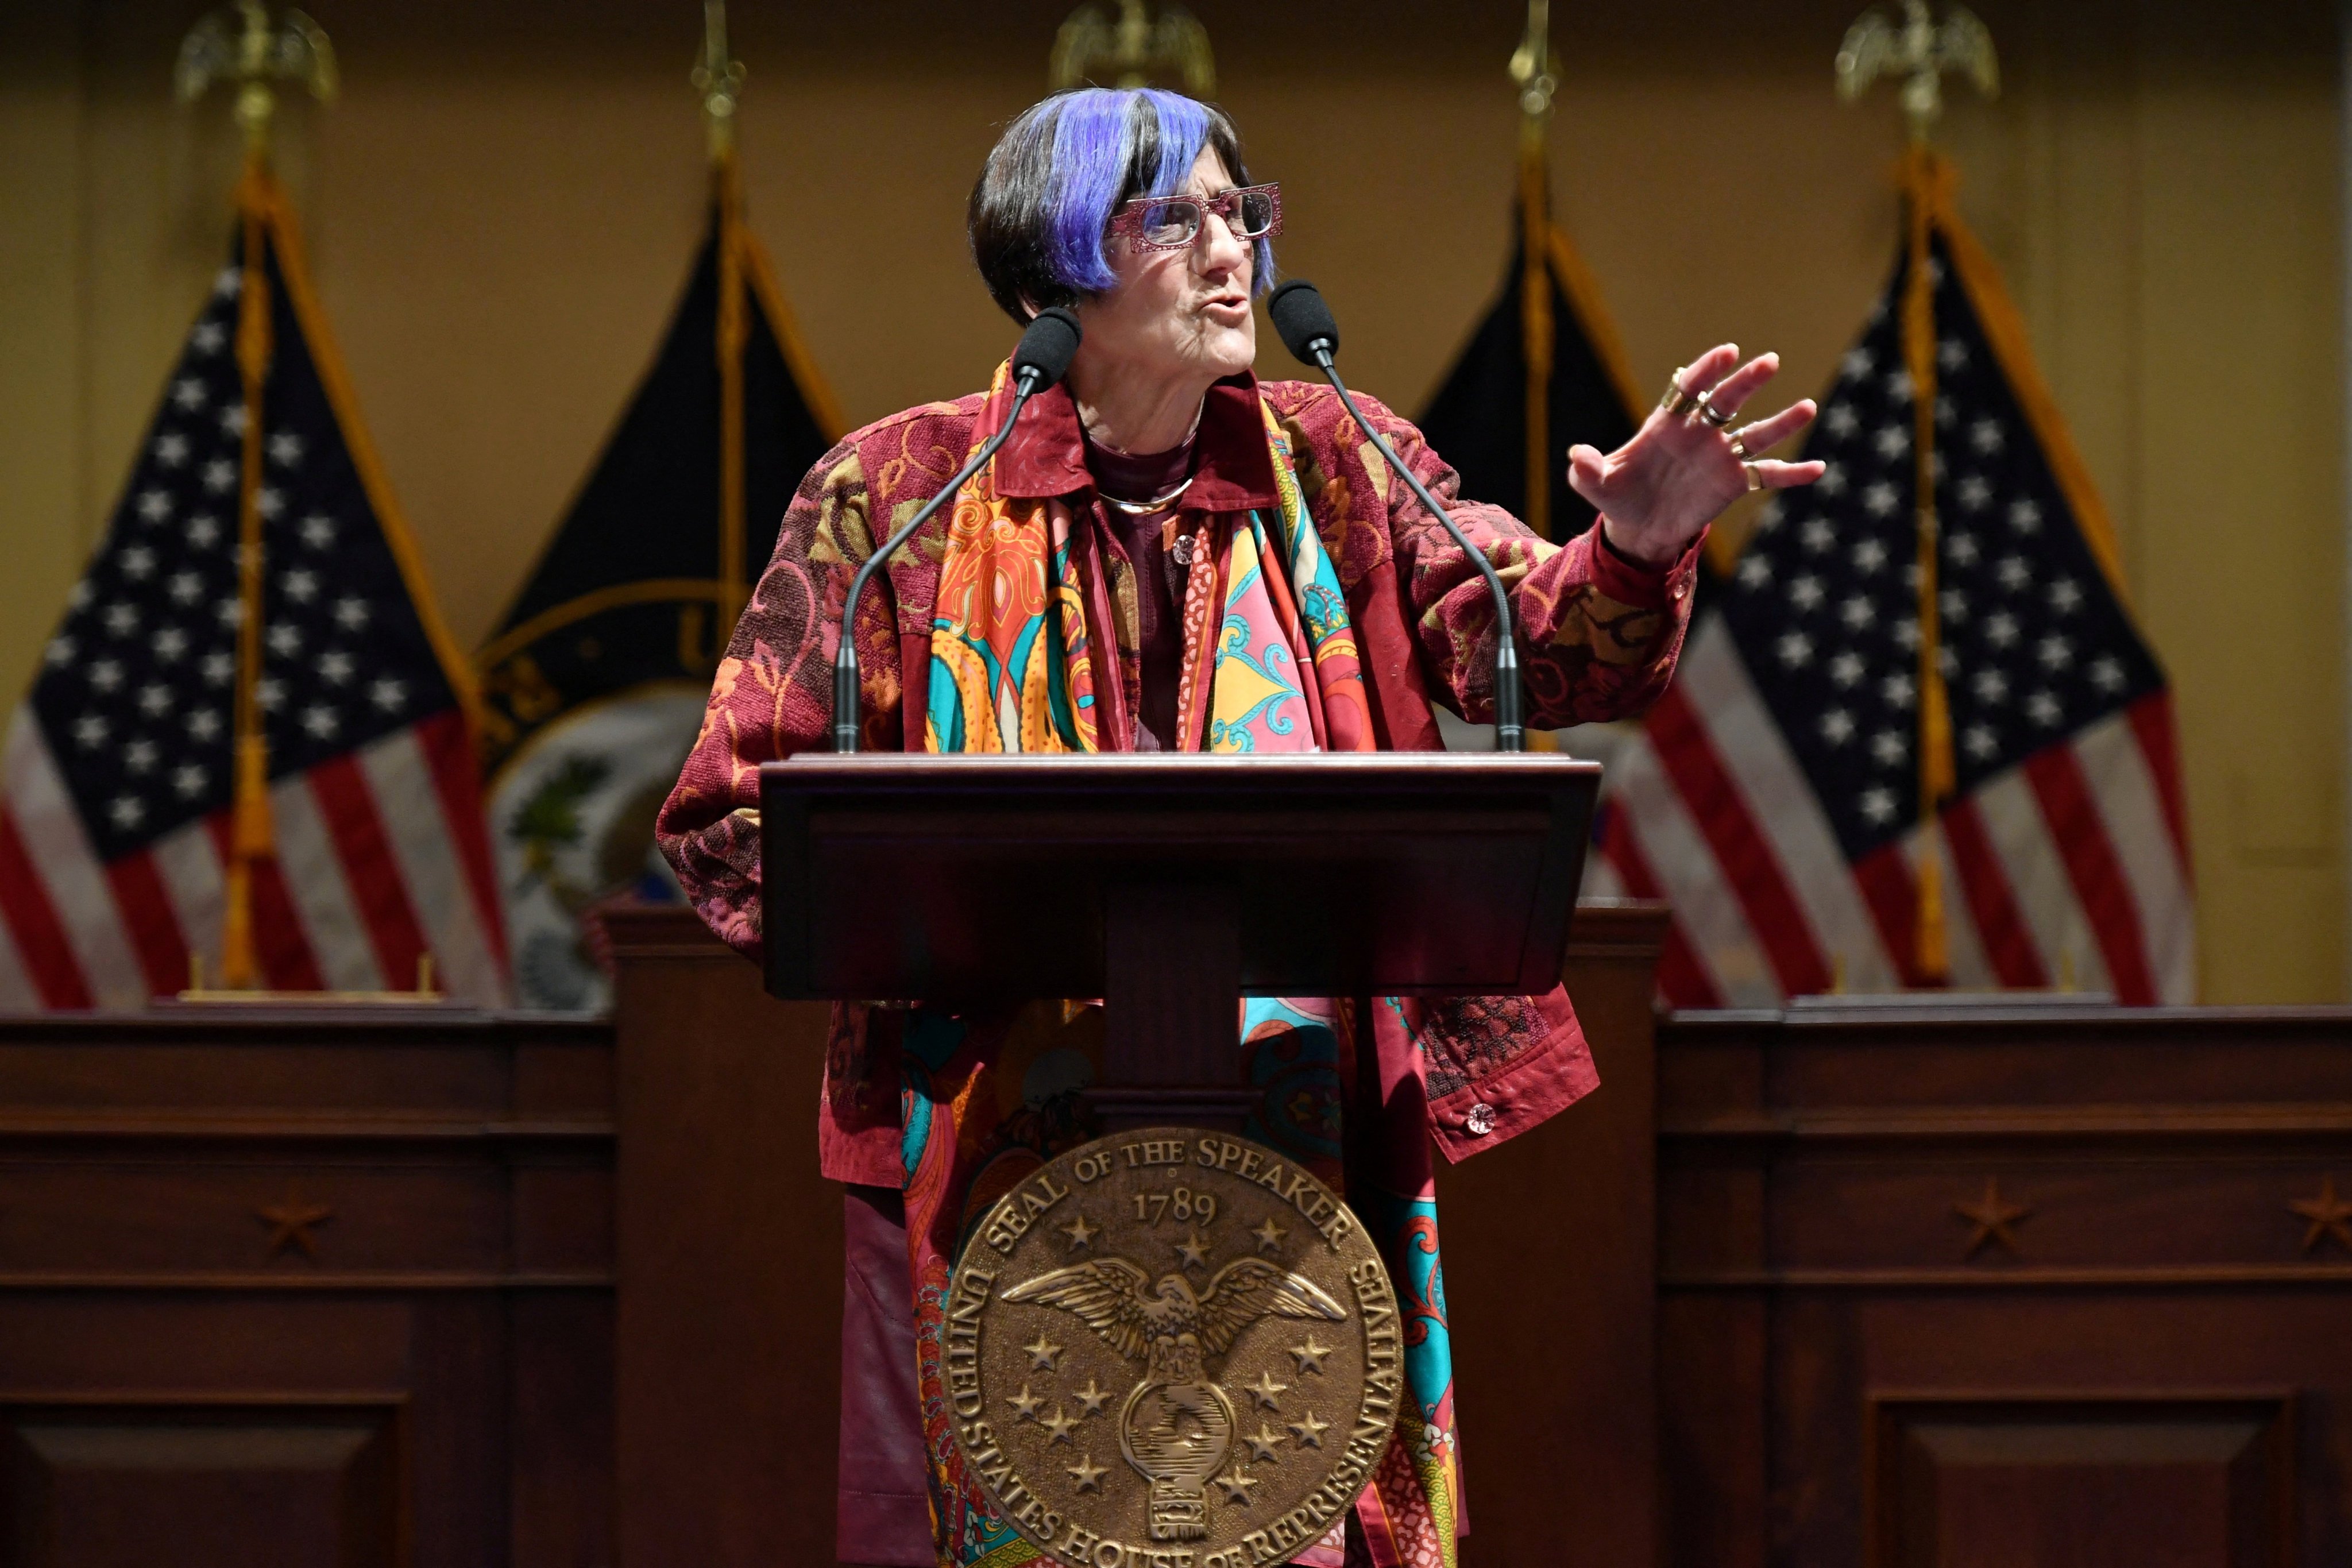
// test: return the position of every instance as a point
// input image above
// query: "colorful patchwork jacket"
(1599, 636)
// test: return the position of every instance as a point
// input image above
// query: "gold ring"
(1708, 412)
(1738, 448)
(1754, 478)
(1677, 402)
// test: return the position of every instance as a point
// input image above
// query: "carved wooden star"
(1042, 1355)
(1024, 1405)
(1993, 1216)
(1091, 1397)
(1193, 1250)
(1080, 1233)
(2328, 1215)
(1262, 1445)
(1310, 1356)
(1269, 1236)
(1309, 1430)
(289, 1221)
(1236, 1485)
(1263, 1390)
(1059, 1424)
(1087, 1474)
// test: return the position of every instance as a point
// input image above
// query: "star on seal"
(1263, 1390)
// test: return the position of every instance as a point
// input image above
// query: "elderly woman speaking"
(1078, 594)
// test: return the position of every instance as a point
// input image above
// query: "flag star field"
(137, 692)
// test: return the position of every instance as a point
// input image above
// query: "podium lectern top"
(972, 878)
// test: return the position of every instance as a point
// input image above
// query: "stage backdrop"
(498, 205)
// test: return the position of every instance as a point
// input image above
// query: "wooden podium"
(1170, 887)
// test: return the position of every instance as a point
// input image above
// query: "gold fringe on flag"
(1922, 171)
(250, 836)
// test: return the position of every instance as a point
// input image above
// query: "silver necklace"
(1164, 501)
(1161, 502)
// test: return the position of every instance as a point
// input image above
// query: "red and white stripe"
(2071, 868)
(383, 857)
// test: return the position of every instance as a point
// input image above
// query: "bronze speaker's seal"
(1172, 1344)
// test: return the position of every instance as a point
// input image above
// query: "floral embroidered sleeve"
(772, 694)
(1599, 633)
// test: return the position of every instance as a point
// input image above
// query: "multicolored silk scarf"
(1021, 609)
(1270, 665)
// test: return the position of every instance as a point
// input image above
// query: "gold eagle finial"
(1134, 49)
(1534, 65)
(1920, 49)
(719, 77)
(242, 46)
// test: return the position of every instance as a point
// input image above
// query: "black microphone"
(1041, 359)
(1311, 335)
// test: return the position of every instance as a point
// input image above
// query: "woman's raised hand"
(1685, 464)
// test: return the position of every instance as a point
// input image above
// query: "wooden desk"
(326, 1285)
(576, 1302)
(1994, 1288)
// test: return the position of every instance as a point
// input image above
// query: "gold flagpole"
(1921, 50)
(250, 52)
(720, 79)
(1535, 68)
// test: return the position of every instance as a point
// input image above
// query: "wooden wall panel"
(731, 1254)
(202, 1485)
(2155, 1482)
(1549, 1241)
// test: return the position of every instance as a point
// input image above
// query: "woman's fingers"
(1588, 471)
(1704, 372)
(1767, 434)
(1741, 385)
(1779, 476)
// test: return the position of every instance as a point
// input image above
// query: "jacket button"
(1481, 1120)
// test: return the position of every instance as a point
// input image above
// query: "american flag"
(1772, 794)
(115, 814)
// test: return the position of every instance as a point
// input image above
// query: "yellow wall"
(503, 206)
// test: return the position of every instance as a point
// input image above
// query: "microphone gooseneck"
(1312, 336)
(1041, 359)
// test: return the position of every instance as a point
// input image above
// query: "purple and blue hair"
(1039, 210)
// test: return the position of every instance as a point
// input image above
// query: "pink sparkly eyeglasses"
(1171, 223)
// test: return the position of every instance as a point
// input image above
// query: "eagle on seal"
(1165, 1325)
